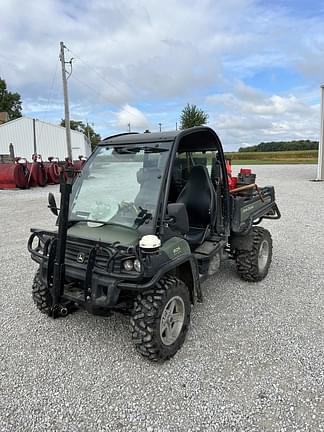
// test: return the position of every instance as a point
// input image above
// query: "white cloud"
(278, 105)
(245, 92)
(152, 53)
(138, 51)
(251, 116)
(133, 116)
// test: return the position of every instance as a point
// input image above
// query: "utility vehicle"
(148, 218)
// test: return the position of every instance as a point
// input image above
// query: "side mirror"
(52, 204)
(177, 212)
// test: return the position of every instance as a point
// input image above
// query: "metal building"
(30, 136)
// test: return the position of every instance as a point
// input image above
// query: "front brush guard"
(95, 298)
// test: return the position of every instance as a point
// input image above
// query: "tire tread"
(148, 307)
(41, 295)
(247, 259)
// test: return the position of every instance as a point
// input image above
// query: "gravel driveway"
(253, 359)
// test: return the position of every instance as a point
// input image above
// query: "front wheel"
(41, 295)
(160, 319)
(253, 258)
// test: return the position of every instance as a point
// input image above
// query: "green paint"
(251, 208)
(175, 247)
(105, 233)
(275, 162)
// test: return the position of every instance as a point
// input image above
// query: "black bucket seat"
(149, 180)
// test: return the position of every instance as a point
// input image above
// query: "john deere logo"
(80, 257)
(177, 250)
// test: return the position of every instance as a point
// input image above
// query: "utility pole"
(160, 124)
(129, 128)
(88, 132)
(66, 102)
(320, 166)
(176, 126)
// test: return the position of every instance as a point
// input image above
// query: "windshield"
(120, 185)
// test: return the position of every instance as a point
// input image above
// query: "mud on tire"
(149, 313)
(41, 295)
(253, 261)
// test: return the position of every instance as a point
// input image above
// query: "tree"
(275, 146)
(86, 129)
(192, 116)
(9, 102)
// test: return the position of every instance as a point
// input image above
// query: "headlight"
(137, 266)
(128, 265)
(35, 243)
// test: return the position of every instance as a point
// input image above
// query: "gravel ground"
(253, 359)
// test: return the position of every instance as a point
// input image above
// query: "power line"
(50, 96)
(95, 91)
(120, 90)
(99, 74)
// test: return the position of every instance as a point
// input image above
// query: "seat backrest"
(149, 179)
(198, 195)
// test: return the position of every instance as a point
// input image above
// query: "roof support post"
(320, 165)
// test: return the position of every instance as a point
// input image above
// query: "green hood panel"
(175, 247)
(105, 233)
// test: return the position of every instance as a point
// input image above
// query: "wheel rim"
(263, 255)
(172, 320)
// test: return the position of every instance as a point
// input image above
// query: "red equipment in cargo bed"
(245, 176)
(232, 181)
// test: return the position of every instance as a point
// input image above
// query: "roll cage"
(197, 139)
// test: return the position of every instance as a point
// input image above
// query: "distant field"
(280, 157)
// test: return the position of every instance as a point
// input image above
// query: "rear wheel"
(160, 319)
(253, 259)
(41, 295)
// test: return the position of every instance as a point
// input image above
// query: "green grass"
(274, 162)
(281, 157)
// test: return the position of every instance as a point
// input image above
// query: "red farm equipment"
(14, 174)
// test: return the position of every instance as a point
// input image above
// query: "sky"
(254, 66)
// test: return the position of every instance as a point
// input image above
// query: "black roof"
(208, 138)
(133, 137)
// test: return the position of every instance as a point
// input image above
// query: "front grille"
(74, 252)
(77, 254)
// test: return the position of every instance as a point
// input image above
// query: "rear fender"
(242, 242)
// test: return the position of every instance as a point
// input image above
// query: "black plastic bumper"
(99, 288)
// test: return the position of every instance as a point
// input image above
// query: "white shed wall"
(20, 133)
(50, 139)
